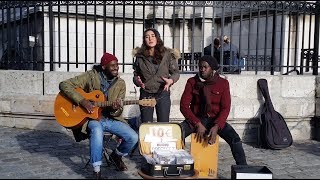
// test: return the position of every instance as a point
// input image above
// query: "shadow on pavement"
(311, 147)
(50, 149)
(250, 135)
(55, 147)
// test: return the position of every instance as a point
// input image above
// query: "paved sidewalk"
(32, 154)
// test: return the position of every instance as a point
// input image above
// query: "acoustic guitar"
(71, 115)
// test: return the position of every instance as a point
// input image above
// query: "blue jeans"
(96, 130)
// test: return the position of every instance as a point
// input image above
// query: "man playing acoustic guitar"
(103, 77)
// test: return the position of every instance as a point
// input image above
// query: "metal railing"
(270, 36)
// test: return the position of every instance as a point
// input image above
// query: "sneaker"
(117, 160)
(96, 175)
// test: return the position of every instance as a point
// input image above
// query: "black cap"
(213, 63)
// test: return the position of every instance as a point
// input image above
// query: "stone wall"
(27, 100)
(315, 122)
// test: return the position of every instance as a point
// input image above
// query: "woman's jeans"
(96, 133)
(162, 107)
(227, 133)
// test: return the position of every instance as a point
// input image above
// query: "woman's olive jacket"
(151, 76)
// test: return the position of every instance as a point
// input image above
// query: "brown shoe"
(117, 161)
(97, 175)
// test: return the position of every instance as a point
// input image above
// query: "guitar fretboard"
(109, 103)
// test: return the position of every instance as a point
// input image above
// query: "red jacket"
(191, 104)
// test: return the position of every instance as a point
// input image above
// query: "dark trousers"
(227, 133)
(162, 106)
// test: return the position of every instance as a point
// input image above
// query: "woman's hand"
(140, 83)
(169, 82)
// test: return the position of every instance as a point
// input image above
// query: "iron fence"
(274, 36)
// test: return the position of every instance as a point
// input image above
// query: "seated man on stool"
(205, 103)
(103, 77)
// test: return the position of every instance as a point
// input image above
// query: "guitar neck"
(109, 103)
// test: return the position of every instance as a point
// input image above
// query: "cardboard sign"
(163, 146)
(161, 131)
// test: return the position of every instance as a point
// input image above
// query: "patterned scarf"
(105, 84)
(205, 91)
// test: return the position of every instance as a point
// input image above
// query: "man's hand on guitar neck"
(117, 104)
(87, 105)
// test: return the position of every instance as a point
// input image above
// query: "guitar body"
(71, 115)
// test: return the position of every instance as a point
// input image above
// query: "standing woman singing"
(155, 71)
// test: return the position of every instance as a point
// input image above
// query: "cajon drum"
(205, 157)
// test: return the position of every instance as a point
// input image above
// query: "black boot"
(238, 153)
(117, 160)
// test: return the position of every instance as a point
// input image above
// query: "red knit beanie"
(107, 58)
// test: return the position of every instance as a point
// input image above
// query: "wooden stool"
(205, 157)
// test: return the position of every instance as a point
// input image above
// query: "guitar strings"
(156, 99)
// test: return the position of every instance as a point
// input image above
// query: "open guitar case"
(150, 171)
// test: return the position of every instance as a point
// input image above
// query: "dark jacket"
(207, 50)
(151, 77)
(90, 81)
(191, 104)
(232, 48)
(216, 52)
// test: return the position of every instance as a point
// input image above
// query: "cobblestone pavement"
(34, 154)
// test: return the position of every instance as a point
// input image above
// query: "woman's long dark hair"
(159, 49)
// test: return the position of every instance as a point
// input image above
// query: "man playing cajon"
(205, 103)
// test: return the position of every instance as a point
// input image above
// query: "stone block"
(243, 111)
(45, 107)
(317, 86)
(239, 86)
(175, 112)
(37, 123)
(6, 120)
(131, 111)
(52, 79)
(297, 107)
(5, 106)
(317, 104)
(20, 82)
(298, 86)
(300, 129)
(27, 104)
